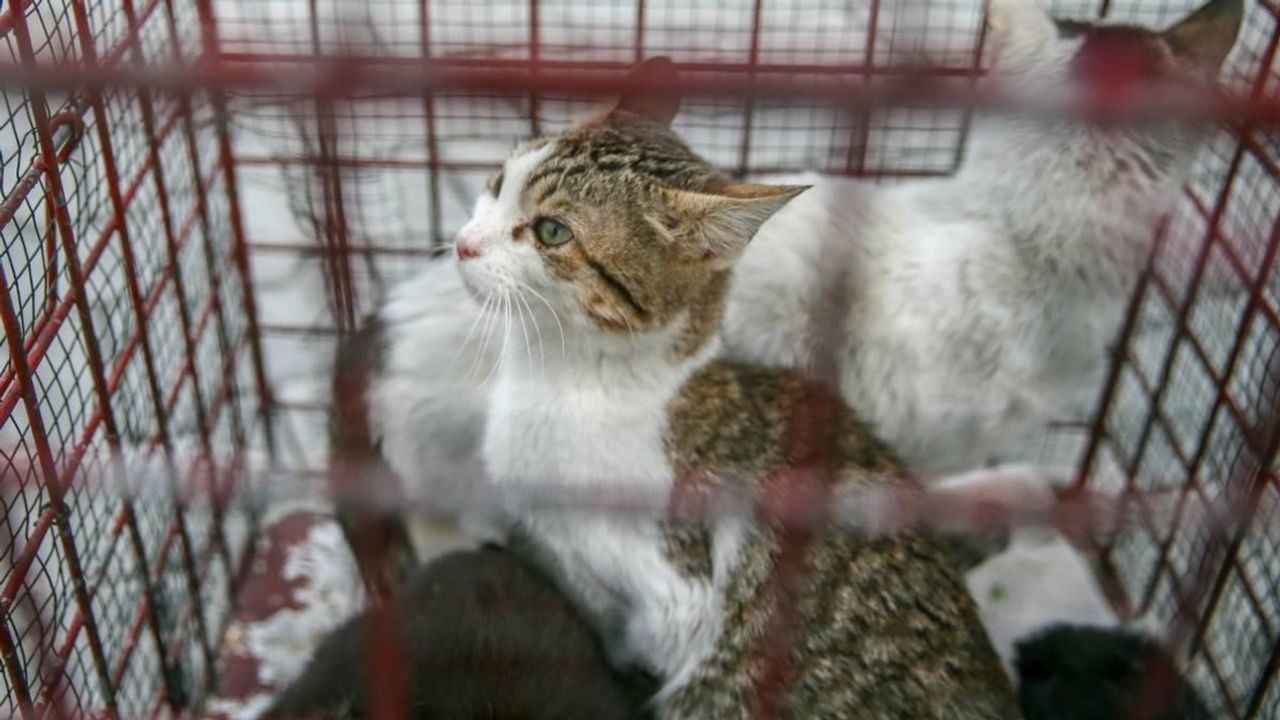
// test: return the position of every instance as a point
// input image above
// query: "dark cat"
(1073, 672)
(486, 638)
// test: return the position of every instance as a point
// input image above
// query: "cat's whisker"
(506, 336)
(470, 331)
(489, 314)
(555, 315)
(533, 318)
(481, 322)
(491, 321)
(524, 329)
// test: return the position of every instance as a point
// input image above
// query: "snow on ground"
(301, 584)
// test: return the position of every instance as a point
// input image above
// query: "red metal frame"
(60, 469)
(190, 96)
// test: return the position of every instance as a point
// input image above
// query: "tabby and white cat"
(981, 304)
(980, 309)
(618, 234)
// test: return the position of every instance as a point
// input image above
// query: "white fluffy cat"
(981, 304)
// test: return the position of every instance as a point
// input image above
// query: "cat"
(981, 305)
(622, 237)
(1070, 672)
(487, 637)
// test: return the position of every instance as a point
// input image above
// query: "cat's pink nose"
(466, 250)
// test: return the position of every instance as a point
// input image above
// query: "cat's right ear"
(650, 99)
(1018, 32)
(1206, 36)
(716, 226)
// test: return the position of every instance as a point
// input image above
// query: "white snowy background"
(390, 207)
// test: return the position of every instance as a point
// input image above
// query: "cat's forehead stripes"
(621, 154)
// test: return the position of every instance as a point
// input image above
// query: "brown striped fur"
(886, 629)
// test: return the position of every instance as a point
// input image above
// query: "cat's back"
(748, 418)
(887, 625)
(923, 278)
(890, 621)
(774, 280)
(930, 272)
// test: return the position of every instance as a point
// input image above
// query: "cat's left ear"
(717, 225)
(1206, 36)
(1020, 33)
(651, 101)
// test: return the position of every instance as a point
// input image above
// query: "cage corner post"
(211, 56)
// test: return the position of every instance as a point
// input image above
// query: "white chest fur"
(426, 409)
(599, 432)
(577, 433)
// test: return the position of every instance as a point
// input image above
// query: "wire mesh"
(107, 605)
(134, 341)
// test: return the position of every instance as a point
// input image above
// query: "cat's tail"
(1069, 672)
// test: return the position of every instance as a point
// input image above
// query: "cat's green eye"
(551, 233)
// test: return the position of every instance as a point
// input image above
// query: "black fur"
(485, 638)
(378, 539)
(1090, 673)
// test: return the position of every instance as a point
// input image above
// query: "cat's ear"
(651, 101)
(1019, 32)
(717, 225)
(1204, 37)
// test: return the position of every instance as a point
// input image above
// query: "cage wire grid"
(142, 229)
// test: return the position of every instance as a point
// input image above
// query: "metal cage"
(165, 165)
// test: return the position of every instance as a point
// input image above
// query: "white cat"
(981, 305)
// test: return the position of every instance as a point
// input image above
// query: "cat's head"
(616, 226)
(1121, 175)
(1031, 48)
